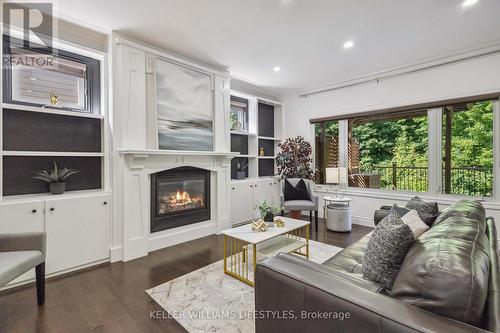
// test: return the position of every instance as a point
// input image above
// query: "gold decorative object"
(279, 223)
(260, 225)
(261, 151)
(54, 99)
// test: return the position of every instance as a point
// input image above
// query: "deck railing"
(473, 180)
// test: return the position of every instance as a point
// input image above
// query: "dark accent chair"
(18, 254)
(287, 284)
(307, 205)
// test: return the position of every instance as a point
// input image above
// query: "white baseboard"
(116, 253)
(161, 240)
(362, 220)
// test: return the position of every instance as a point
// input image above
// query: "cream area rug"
(207, 300)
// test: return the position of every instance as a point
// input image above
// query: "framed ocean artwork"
(184, 106)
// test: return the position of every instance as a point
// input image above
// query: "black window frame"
(93, 76)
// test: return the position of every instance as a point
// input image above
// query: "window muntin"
(467, 149)
(389, 152)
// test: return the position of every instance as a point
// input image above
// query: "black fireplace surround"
(179, 196)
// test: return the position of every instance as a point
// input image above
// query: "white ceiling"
(303, 37)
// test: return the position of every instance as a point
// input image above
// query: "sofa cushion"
(428, 211)
(15, 263)
(386, 250)
(446, 271)
(299, 205)
(349, 262)
(466, 208)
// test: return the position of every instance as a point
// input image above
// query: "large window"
(389, 152)
(467, 149)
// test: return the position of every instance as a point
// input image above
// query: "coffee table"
(243, 247)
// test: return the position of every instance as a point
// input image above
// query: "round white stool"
(339, 216)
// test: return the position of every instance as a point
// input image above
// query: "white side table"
(339, 214)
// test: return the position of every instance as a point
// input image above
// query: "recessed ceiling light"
(468, 3)
(276, 68)
(348, 44)
(29, 90)
(33, 78)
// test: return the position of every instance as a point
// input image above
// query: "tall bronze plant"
(295, 159)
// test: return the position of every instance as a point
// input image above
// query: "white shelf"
(243, 133)
(44, 196)
(269, 138)
(50, 153)
(283, 244)
(176, 152)
(267, 157)
(248, 156)
(50, 111)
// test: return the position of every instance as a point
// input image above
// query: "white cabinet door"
(241, 202)
(262, 192)
(22, 217)
(77, 231)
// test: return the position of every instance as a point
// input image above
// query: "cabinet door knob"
(105, 202)
(233, 188)
(33, 211)
(255, 185)
(252, 185)
(52, 209)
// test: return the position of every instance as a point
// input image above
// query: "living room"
(250, 166)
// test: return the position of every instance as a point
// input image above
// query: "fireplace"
(179, 196)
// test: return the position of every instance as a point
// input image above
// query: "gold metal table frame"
(237, 261)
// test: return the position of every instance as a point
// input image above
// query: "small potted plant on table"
(268, 212)
(56, 178)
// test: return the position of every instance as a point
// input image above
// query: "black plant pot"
(57, 188)
(269, 218)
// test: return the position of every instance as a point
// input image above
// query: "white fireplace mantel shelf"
(176, 152)
(137, 157)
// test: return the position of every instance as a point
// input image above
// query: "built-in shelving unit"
(258, 143)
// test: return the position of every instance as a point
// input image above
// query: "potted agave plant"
(56, 178)
(240, 169)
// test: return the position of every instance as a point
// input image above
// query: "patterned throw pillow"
(386, 250)
(428, 211)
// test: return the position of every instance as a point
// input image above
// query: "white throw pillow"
(417, 226)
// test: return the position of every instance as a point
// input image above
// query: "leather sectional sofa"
(448, 282)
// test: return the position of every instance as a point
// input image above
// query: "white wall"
(472, 77)
(467, 78)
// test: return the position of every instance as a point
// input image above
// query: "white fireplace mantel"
(138, 157)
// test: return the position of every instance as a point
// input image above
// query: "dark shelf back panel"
(266, 167)
(19, 170)
(239, 144)
(268, 146)
(266, 120)
(36, 131)
(234, 163)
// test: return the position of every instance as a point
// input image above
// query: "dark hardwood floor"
(112, 297)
